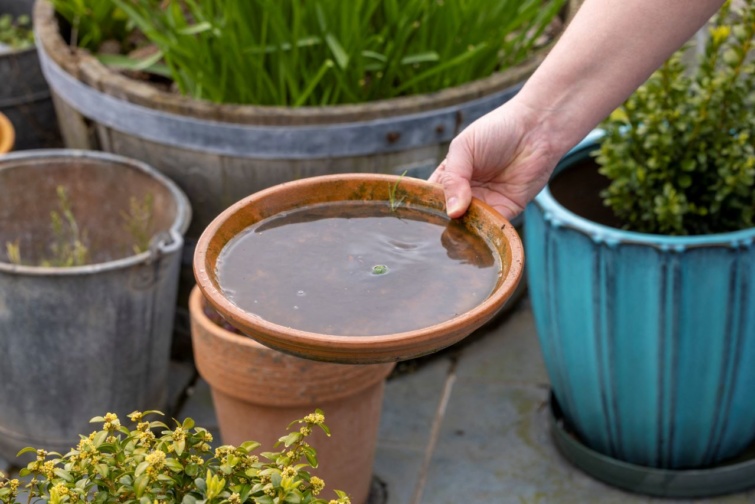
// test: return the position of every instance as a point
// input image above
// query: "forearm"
(610, 48)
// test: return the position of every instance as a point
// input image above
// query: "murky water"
(357, 269)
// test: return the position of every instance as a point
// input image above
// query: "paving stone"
(198, 406)
(505, 352)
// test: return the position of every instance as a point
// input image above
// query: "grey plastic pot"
(24, 94)
(82, 341)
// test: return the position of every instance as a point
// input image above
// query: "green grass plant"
(93, 22)
(325, 52)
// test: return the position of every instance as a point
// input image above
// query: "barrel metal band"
(269, 142)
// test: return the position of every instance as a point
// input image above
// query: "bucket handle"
(164, 243)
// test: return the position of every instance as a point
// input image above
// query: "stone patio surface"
(467, 425)
(471, 425)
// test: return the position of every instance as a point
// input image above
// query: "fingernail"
(452, 204)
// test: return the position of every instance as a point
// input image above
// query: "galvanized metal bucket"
(76, 342)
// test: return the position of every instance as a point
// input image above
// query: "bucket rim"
(176, 231)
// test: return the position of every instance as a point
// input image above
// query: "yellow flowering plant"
(154, 464)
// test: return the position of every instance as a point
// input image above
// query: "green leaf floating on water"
(379, 269)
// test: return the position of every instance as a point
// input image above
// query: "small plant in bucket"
(152, 462)
(69, 242)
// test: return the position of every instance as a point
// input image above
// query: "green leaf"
(28, 449)
(100, 438)
(341, 57)
(197, 28)
(179, 446)
(250, 446)
(188, 424)
(293, 498)
(374, 55)
(149, 65)
(140, 469)
(292, 438)
(102, 470)
(201, 484)
(425, 57)
(62, 473)
(140, 485)
(192, 470)
(174, 465)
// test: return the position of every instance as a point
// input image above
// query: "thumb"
(454, 174)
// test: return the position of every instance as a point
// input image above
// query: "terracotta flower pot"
(258, 391)
(480, 221)
(7, 134)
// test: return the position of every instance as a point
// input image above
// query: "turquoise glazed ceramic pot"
(649, 340)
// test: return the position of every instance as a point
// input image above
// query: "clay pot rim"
(7, 134)
(359, 349)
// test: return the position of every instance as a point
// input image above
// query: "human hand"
(502, 159)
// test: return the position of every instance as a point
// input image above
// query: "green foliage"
(680, 152)
(138, 221)
(16, 33)
(325, 52)
(93, 22)
(178, 465)
(68, 245)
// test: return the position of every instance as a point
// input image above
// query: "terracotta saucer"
(480, 219)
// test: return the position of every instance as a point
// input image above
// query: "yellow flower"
(136, 416)
(315, 418)
(719, 34)
(61, 489)
(156, 461)
(48, 469)
(179, 434)
(111, 422)
(317, 485)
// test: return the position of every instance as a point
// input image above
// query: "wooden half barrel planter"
(24, 94)
(77, 341)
